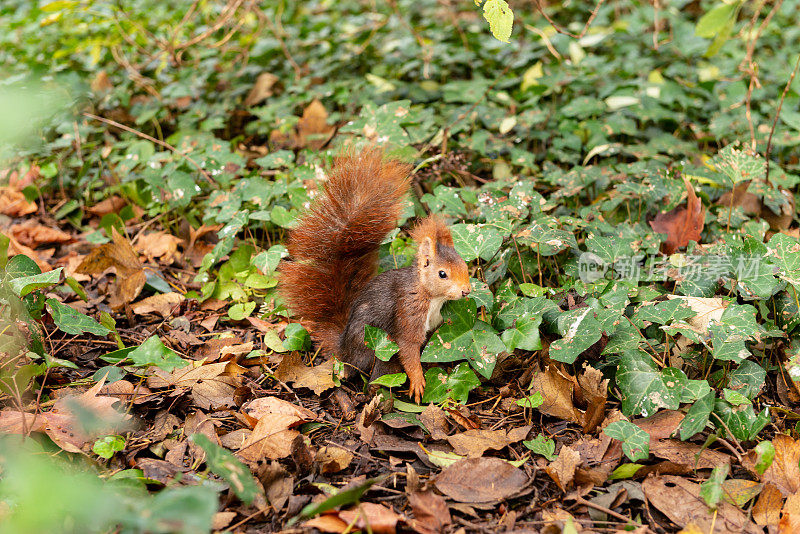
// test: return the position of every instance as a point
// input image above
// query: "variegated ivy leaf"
(474, 241)
(379, 341)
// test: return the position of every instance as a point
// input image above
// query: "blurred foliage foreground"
(622, 178)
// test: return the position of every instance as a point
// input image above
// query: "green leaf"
(348, 496)
(580, 330)
(473, 241)
(393, 380)
(663, 312)
(268, 260)
(23, 285)
(440, 386)
(784, 251)
(642, 386)
(734, 397)
(241, 310)
(224, 464)
(542, 445)
(765, 454)
(20, 266)
(379, 341)
(738, 166)
(715, 20)
(741, 421)
(273, 342)
(153, 352)
(531, 401)
(524, 335)
(463, 336)
(72, 321)
(297, 337)
(105, 447)
(635, 441)
(624, 471)
(711, 490)
(500, 19)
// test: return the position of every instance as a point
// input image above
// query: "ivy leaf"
(268, 260)
(747, 379)
(224, 464)
(297, 337)
(765, 454)
(785, 253)
(542, 445)
(531, 401)
(23, 285)
(473, 241)
(106, 446)
(580, 330)
(742, 421)
(500, 19)
(440, 386)
(711, 489)
(738, 166)
(635, 441)
(697, 417)
(463, 336)
(523, 335)
(153, 352)
(663, 312)
(736, 325)
(379, 341)
(393, 380)
(642, 386)
(72, 321)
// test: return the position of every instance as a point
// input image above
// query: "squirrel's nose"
(465, 292)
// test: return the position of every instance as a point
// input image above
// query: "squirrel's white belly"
(434, 317)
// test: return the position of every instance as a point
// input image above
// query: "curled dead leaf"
(120, 255)
(681, 224)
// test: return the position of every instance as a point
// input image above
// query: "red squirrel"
(330, 278)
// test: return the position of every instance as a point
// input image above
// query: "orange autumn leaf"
(681, 224)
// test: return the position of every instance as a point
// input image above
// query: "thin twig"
(560, 29)
(778, 114)
(152, 140)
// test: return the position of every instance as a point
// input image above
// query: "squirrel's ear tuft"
(433, 228)
(426, 252)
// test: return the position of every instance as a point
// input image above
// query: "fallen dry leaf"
(431, 514)
(333, 459)
(473, 443)
(767, 510)
(789, 524)
(738, 491)
(159, 245)
(110, 205)
(707, 310)
(557, 391)
(481, 480)
(14, 204)
(681, 224)
(120, 255)
(16, 422)
(164, 304)
(273, 432)
(66, 422)
(262, 89)
(212, 385)
(784, 472)
(32, 234)
(381, 520)
(688, 454)
(435, 420)
(313, 130)
(318, 378)
(679, 499)
(562, 470)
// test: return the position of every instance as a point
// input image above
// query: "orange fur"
(334, 249)
(434, 227)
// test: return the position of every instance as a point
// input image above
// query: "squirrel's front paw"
(417, 389)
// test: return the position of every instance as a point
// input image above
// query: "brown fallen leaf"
(557, 390)
(318, 378)
(473, 443)
(273, 432)
(681, 224)
(16, 422)
(688, 454)
(562, 470)
(110, 205)
(32, 234)
(784, 472)
(679, 499)
(212, 385)
(12, 200)
(789, 524)
(481, 480)
(278, 483)
(379, 518)
(739, 492)
(431, 514)
(262, 89)
(76, 420)
(159, 245)
(120, 255)
(333, 459)
(313, 130)
(222, 520)
(38, 256)
(767, 510)
(435, 420)
(163, 304)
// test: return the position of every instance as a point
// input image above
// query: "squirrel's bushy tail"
(334, 249)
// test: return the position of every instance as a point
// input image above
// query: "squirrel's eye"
(442, 274)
